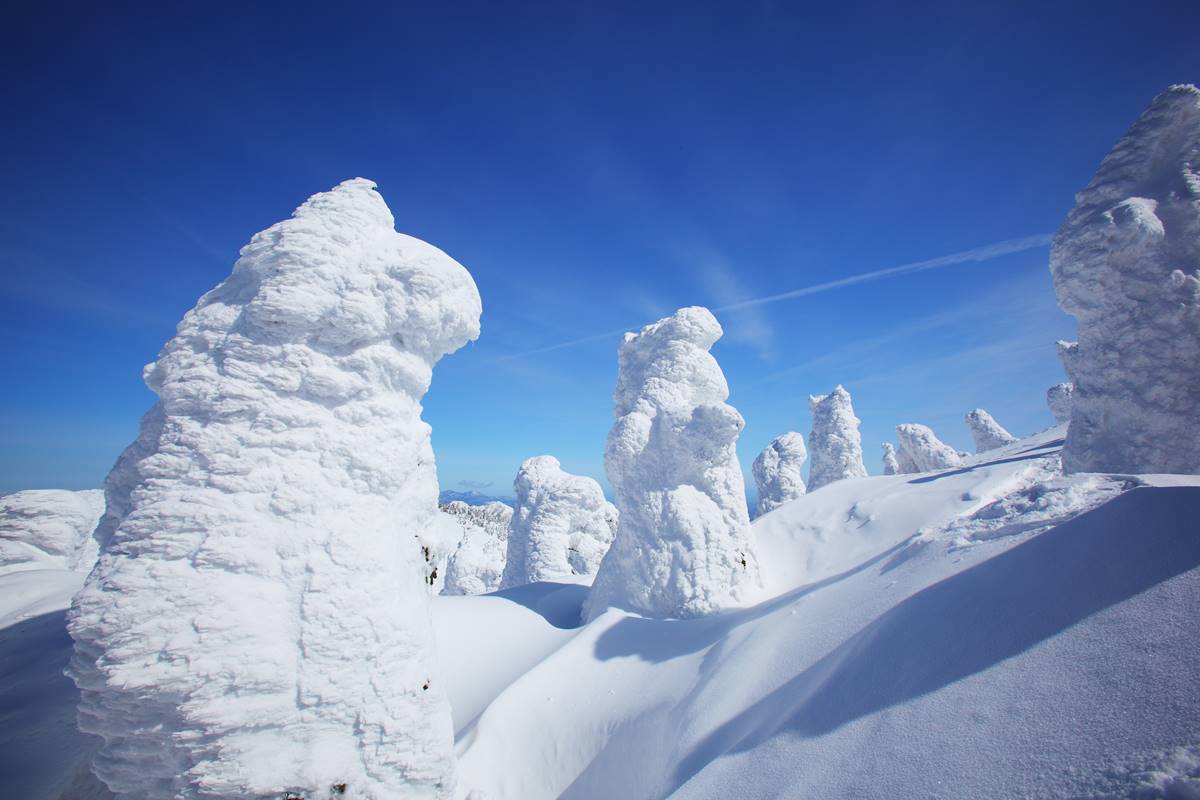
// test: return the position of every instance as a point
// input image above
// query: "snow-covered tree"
(1126, 265)
(921, 451)
(777, 471)
(561, 525)
(258, 622)
(890, 465)
(987, 433)
(49, 529)
(683, 547)
(1058, 399)
(477, 566)
(835, 443)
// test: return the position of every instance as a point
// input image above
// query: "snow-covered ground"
(990, 631)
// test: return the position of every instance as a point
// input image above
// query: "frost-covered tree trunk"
(987, 433)
(1126, 265)
(477, 566)
(258, 620)
(683, 547)
(561, 525)
(921, 451)
(835, 443)
(1058, 400)
(777, 471)
(890, 465)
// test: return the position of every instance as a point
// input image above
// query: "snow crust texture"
(921, 450)
(477, 566)
(890, 465)
(561, 526)
(49, 529)
(258, 620)
(683, 547)
(835, 442)
(1126, 265)
(987, 433)
(777, 471)
(1058, 399)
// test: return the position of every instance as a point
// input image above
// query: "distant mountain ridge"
(471, 498)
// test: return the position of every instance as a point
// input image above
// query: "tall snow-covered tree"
(987, 433)
(834, 444)
(777, 471)
(258, 620)
(922, 451)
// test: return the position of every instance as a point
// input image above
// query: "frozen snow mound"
(49, 529)
(835, 442)
(777, 471)
(1126, 265)
(1058, 400)
(258, 620)
(921, 450)
(987, 433)
(890, 465)
(683, 546)
(477, 566)
(561, 526)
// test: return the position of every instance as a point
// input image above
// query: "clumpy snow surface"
(835, 443)
(921, 450)
(477, 565)
(1126, 265)
(987, 433)
(561, 525)
(258, 621)
(777, 471)
(683, 546)
(49, 529)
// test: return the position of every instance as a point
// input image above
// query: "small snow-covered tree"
(683, 546)
(477, 566)
(49, 529)
(890, 465)
(1058, 399)
(257, 623)
(987, 433)
(1126, 265)
(561, 525)
(834, 443)
(777, 471)
(921, 451)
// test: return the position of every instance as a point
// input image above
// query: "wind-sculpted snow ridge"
(987, 433)
(561, 526)
(921, 451)
(477, 566)
(1058, 400)
(49, 529)
(835, 442)
(1126, 265)
(683, 547)
(258, 623)
(777, 471)
(890, 465)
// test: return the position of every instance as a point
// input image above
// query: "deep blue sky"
(595, 166)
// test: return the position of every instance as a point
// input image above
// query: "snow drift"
(683, 545)
(921, 450)
(49, 529)
(477, 565)
(987, 433)
(561, 525)
(1126, 265)
(777, 471)
(835, 442)
(259, 620)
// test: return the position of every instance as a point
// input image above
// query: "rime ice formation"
(987, 433)
(890, 465)
(835, 442)
(258, 622)
(477, 566)
(921, 451)
(49, 529)
(561, 525)
(683, 547)
(1126, 265)
(1058, 398)
(439, 540)
(777, 471)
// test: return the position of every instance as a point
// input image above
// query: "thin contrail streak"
(977, 254)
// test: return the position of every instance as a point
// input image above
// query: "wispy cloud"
(749, 324)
